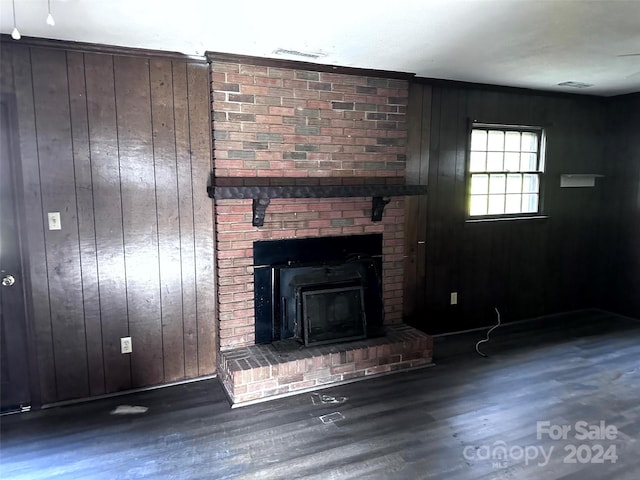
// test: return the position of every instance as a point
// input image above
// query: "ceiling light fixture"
(15, 34)
(50, 20)
(575, 84)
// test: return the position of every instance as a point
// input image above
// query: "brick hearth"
(253, 374)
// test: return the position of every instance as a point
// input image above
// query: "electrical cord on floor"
(488, 333)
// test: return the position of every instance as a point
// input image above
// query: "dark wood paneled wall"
(417, 173)
(120, 146)
(621, 225)
(524, 267)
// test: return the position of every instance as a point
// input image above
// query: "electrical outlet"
(125, 345)
(454, 298)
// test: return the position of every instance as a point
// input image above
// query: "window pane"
(512, 142)
(529, 203)
(499, 160)
(529, 142)
(514, 183)
(478, 140)
(513, 203)
(496, 183)
(512, 162)
(496, 140)
(479, 184)
(478, 205)
(496, 204)
(494, 161)
(530, 183)
(478, 162)
(528, 162)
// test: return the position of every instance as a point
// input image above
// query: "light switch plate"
(54, 221)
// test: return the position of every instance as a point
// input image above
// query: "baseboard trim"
(524, 320)
(609, 312)
(75, 401)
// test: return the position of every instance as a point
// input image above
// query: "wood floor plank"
(579, 366)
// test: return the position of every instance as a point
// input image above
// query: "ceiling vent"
(296, 53)
(575, 84)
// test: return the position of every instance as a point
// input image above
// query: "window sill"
(506, 219)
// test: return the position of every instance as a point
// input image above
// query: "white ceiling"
(522, 43)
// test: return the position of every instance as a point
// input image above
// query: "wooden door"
(14, 373)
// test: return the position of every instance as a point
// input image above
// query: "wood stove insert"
(318, 290)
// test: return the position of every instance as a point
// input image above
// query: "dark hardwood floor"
(433, 423)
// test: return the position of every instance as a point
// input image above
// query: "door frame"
(15, 157)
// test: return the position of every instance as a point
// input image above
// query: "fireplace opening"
(321, 304)
(333, 314)
(319, 290)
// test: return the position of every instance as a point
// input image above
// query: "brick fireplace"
(276, 125)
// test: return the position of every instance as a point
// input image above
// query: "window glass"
(505, 168)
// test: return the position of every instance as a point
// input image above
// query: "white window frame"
(507, 173)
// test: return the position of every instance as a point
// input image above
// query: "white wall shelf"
(572, 180)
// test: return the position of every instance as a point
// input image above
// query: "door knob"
(8, 280)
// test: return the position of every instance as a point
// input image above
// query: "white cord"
(488, 333)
